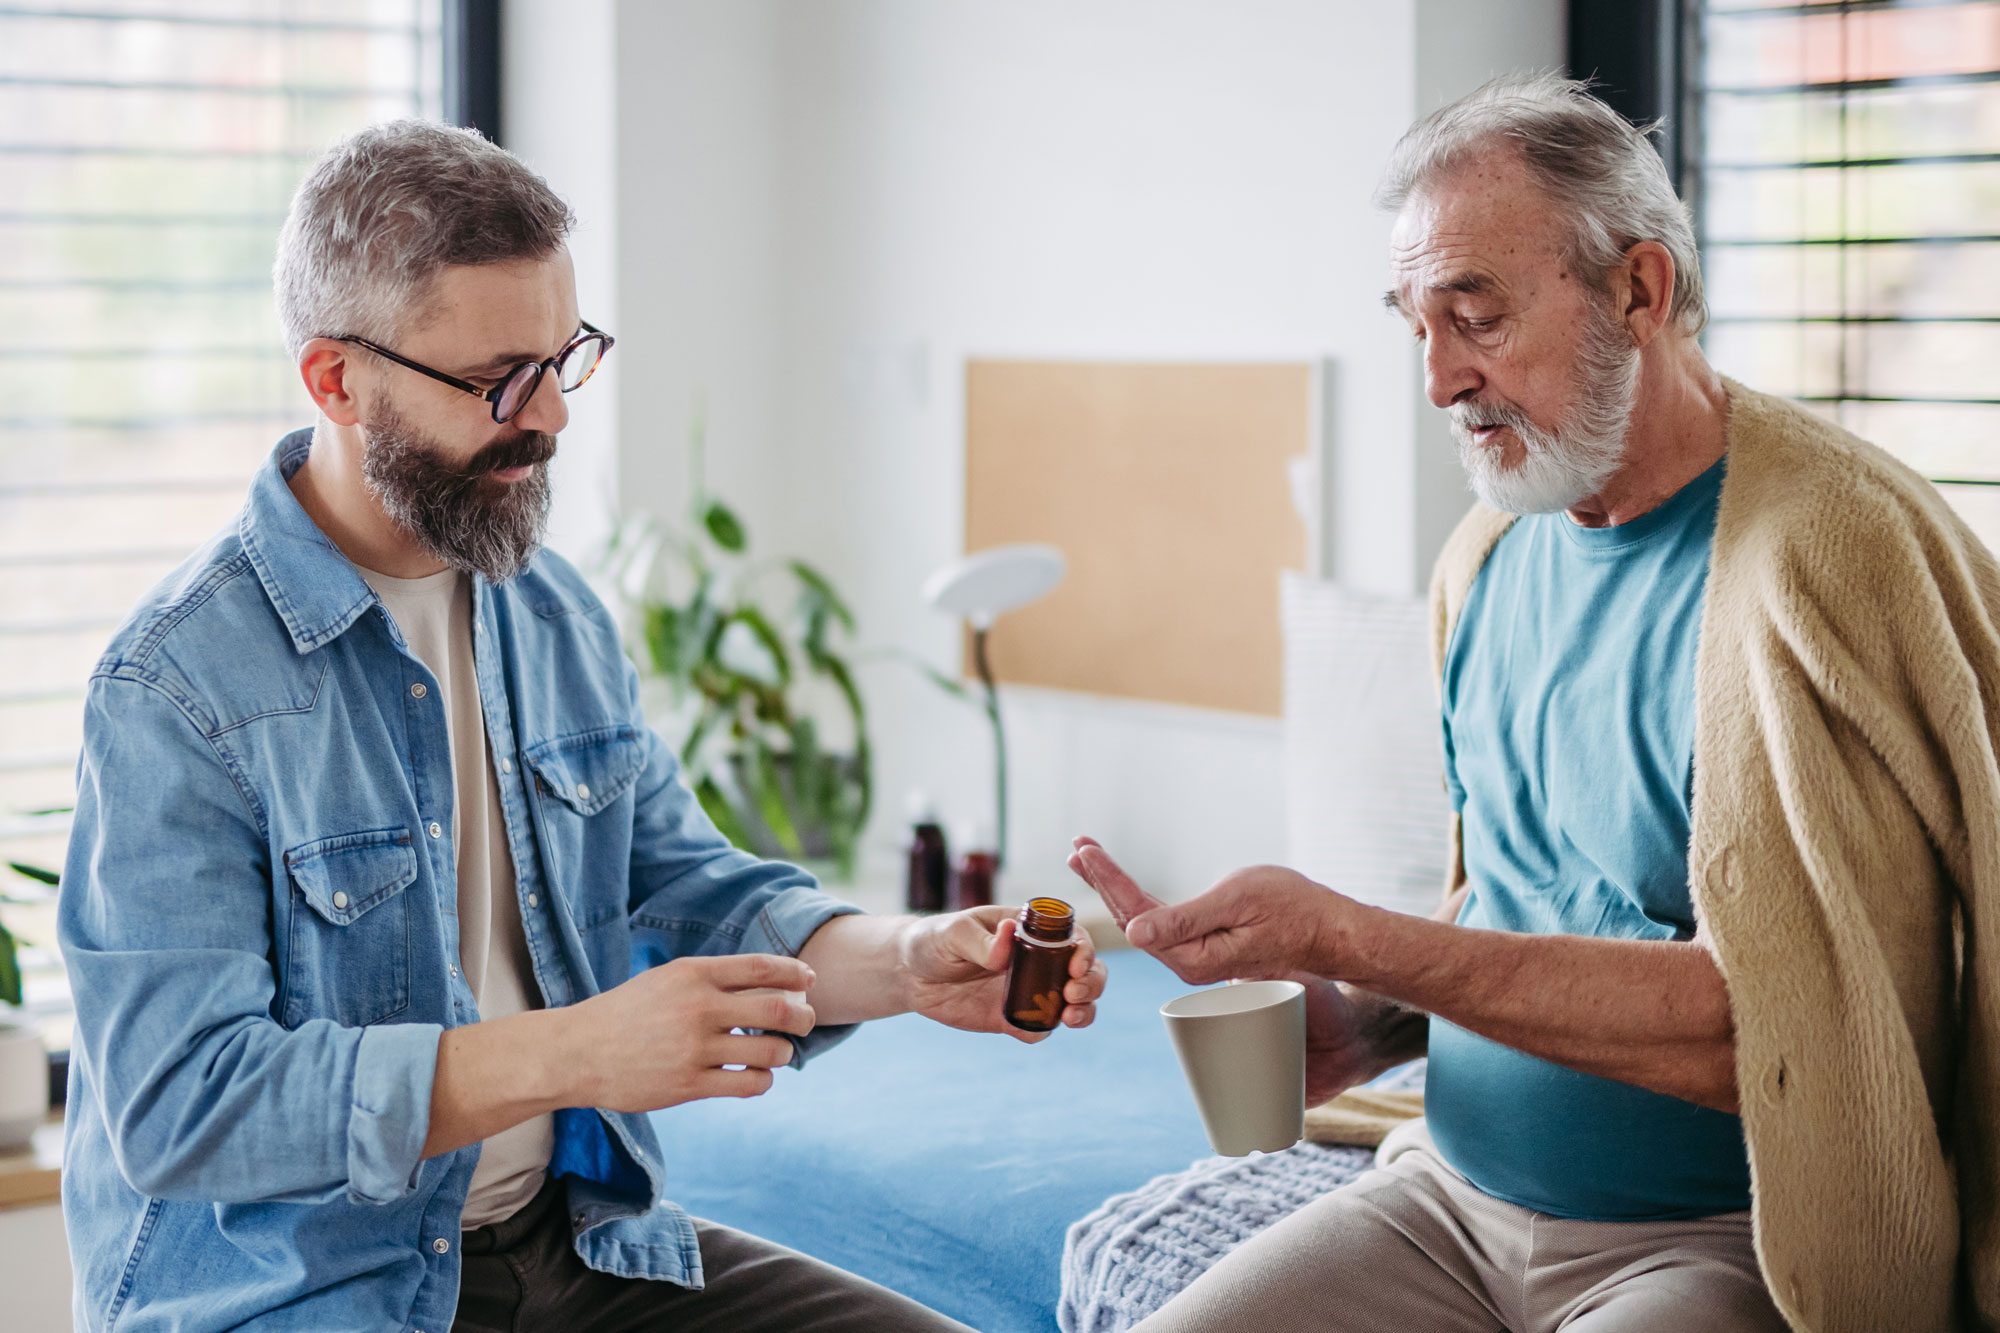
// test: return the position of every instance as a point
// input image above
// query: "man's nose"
(545, 409)
(1449, 374)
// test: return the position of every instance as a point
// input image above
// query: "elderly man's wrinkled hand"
(1264, 921)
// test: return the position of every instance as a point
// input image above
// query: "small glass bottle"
(930, 861)
(973, 885)
(1043, 947)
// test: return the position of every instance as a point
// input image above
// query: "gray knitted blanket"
(1139, 1250)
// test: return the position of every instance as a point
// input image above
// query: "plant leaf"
(951, 685)
(819, 589)
(724, 527)
(756, 622)
(665, 641)
(835, 669)
(727, 822)
(864, 782)
(771, 802)
(811, 783)
(691, 747)
(10, 968)
(48, 877)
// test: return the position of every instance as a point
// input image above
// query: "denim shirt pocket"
(348, 947)
(578, 778)
(590, 770)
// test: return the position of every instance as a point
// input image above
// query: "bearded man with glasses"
(387, 919)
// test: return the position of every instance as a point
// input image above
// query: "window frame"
(1641, 56)
(1647, 58)
(471, 75)
(470, 95)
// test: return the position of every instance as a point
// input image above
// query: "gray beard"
(457, 514)
(1572, 461)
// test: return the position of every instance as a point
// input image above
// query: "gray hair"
(386, 209)
(1603, 170)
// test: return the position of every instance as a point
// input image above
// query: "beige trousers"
(1412, 1247)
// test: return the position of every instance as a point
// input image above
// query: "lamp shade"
(986, 585)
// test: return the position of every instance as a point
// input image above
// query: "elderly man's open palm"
(1261, 922)
(1253, 924)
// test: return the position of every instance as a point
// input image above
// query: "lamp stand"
(985, 670)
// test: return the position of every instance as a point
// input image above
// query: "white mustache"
(1468, 417)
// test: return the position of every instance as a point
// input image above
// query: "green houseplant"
(747, 664)
(10, 946)
(27, 1081)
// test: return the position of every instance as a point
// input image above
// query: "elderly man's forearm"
(1646, 1012)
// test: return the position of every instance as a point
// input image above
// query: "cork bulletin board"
(1167, 486)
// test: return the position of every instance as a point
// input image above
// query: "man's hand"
(1263, 922)
(666, 1036)
(1341, 1052)
(670, 1034)
(956, 971)
(1345, 1030)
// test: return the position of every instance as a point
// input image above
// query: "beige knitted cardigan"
(1846, 860)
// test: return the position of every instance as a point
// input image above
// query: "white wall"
(558, 93)
(822, 209)
(34, 1269)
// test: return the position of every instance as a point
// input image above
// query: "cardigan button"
(1722, 877)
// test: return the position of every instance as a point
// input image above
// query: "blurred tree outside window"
(148, 151)
(1845, 169)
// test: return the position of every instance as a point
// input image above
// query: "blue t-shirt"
(1569, 748)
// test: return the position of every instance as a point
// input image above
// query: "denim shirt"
(259, 915)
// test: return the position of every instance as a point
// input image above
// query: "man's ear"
(1648, 291)
(324, 365)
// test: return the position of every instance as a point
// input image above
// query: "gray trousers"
(1411, 1245)
(522, 1275)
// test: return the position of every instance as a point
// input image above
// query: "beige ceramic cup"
(1243, 1048)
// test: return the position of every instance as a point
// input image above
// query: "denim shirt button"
(533, 901)
(582, 791)
(417, 691)
(339, 900)
(441, 1245)
(506, 764)
(437, 829)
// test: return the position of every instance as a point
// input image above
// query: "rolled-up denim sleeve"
(165, 923)
(694, 893)
(390, 1111)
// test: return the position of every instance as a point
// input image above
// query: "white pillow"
(1365, 806)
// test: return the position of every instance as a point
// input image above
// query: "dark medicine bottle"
(930, 860)
(1043, 947)
(973, 885)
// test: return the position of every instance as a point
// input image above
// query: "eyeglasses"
(573, 366)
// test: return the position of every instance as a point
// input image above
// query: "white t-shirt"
(435, 616)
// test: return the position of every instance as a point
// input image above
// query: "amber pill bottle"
(1043, 947)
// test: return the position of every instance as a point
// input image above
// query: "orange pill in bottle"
(1043, 946)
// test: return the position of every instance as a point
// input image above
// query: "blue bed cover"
(944, 1164)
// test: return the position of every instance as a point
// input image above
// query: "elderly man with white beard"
(1710, 1004)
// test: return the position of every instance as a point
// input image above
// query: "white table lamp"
(979, 589)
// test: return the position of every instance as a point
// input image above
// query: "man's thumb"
(1161, 928)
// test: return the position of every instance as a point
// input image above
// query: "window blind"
(1844, 166)
(148, 150)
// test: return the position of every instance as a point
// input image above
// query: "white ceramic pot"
(24, 1081)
